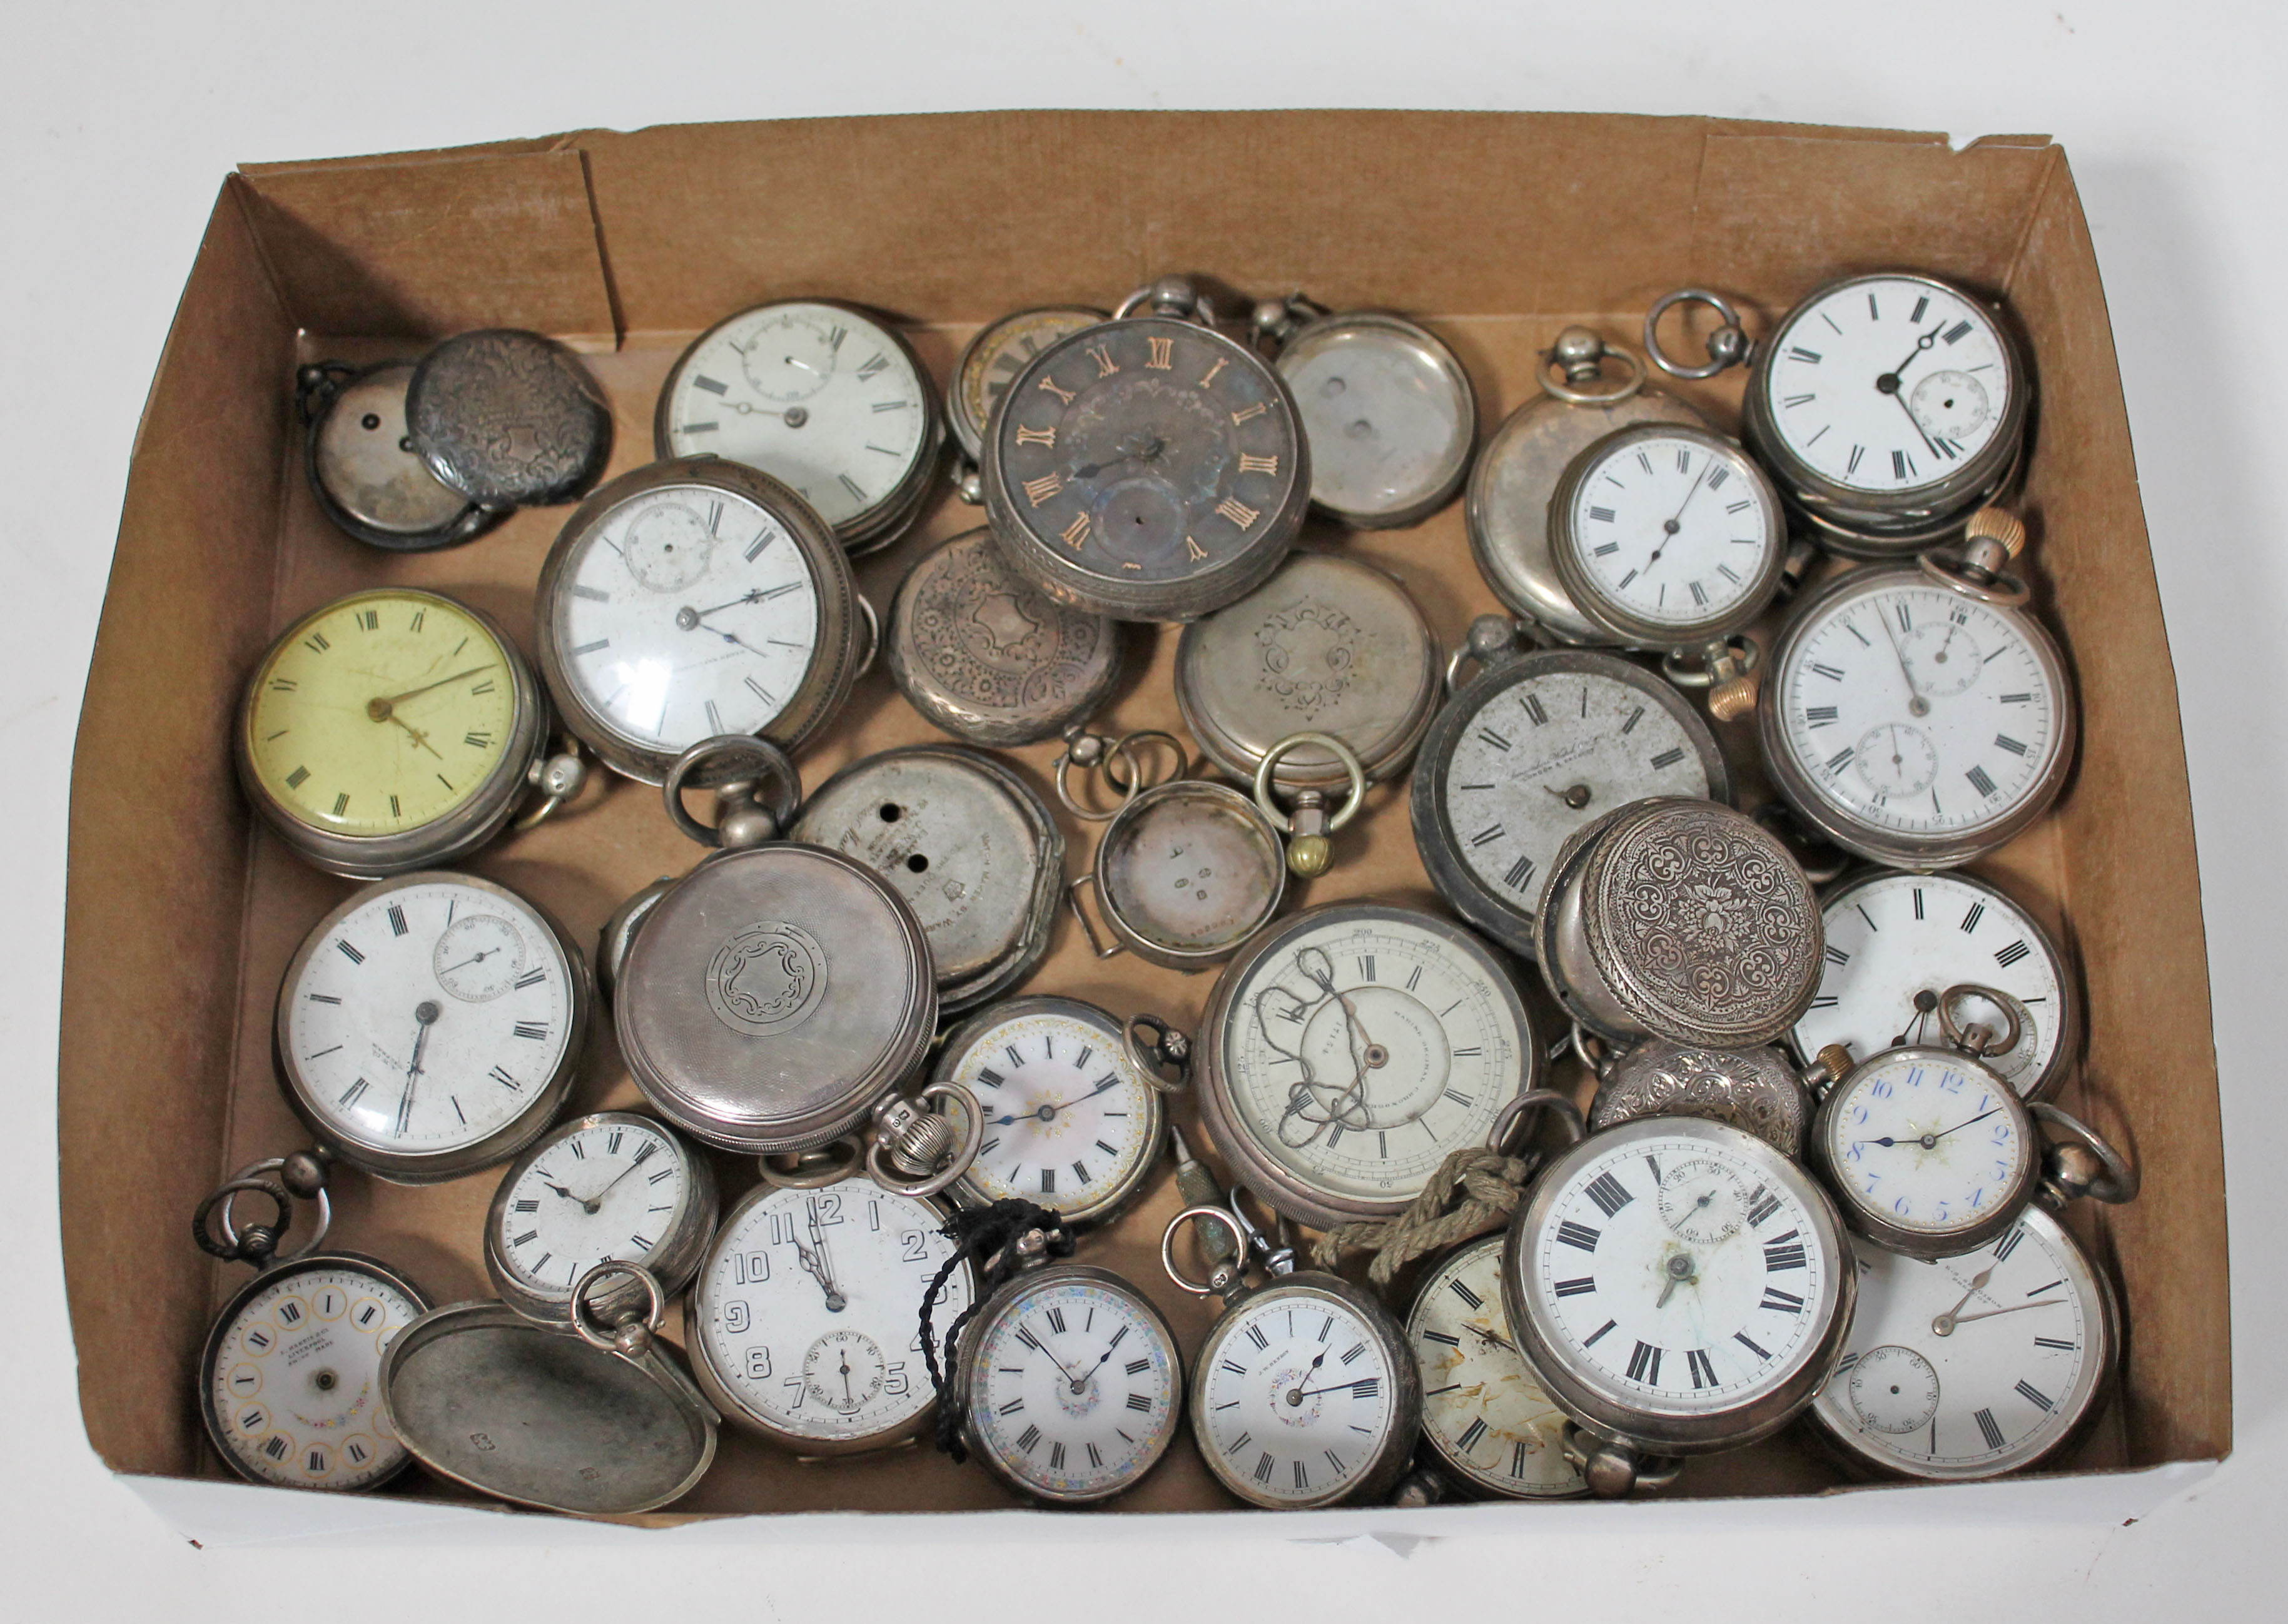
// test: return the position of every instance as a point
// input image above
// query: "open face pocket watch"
(989, 363)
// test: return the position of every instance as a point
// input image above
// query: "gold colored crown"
(1999, 525)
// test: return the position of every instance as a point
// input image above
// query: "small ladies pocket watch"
(690, 599)
(823, 398)
(508, 418)
(1186, 873)
(431, 1025)
(1916, 714)
(395, 730)
(367, 473)
(1537, 744)
(1681, 1286)
(1148, 468)
(1387, 409)
(1928, 1386)
(1895, 941)
(990, 361)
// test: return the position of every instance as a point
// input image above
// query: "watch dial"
(1297, 1398)
(808, 1308)
(1067, 1114)
(428, 1017)
(997, 356)
(1387, 416)
(1971, 1366)
(684, 612)
(596, 1192)
(381, 713)
(295, 1377)
(1897, 941)
(1483, 1409)
(1887, 384)
(1078, 1388)
(814, 395)
(1926, 1140)
(1673, 529)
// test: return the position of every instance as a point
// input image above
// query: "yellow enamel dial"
(381, 712)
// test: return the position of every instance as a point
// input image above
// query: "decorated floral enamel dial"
(1974, 1366)
(1484, 1413)
(388, 730)
(804, 1316)
(1350, 1049)
(991, 361)
(820, 396)
(431, 1025)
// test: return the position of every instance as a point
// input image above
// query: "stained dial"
(997, 355)
(1483, 1407)
(1297, 1399)
(1079, 1388)
(1673, 529)
(1066, 1111)
(1926, 1140)
(595, 1193)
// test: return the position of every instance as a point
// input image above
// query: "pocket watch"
(1486, 1419)
(1304, 1394)
(1388, 410)
(393, 730)
(1926, 1390)
(1507, 509)
(290, 1378)
(1895, 941)
(1347, 1051)
(1682, 1288)
(820, 396)
(1148, 468)
(1916, 714)
(990, 361)
(1754, 1090)
(609, 1188)
(508, 419)
(690, 599)
(1329, 646)
(1538, 743)
(364, 469)
(432, 1025)
(970, 846)
(981, 654)
(1681, 919)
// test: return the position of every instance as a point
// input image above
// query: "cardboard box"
(1497, 229)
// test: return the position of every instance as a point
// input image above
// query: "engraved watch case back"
(1753, 1089)
(508, 419)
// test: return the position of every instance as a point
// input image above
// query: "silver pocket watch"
(508, 418)
(364, 469)
(990, 362)
(1755, 1089)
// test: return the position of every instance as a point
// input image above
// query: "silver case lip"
(672, 1262)
(1710, 1433)
(871, 528)
(1255, 1168)
(1632, 631)
(1891, 850)
(534, 1120)
(671, 1388)
(725, 1399)
(965, 1379)
(443, 840)
(261, 1281)
(1150, 949)
(1024, 952)
(834, 661)
(1863, 1221)
(969, 436)
(1040, 561)
(472, 522)
(1104, 1207)
(1869, 524)
(1438, 494)
(1440, 844)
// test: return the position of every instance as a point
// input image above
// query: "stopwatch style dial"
(805, 1314)
(1913, 724)
(1485, 1414)
(1897, 941)
(290, 1377)
(994, 357)
(611, 1188)
(1303, 1396)
(1071, 1123)
(1973, 1365)
(431, 1025)
(1075, 1385)
(1351, 1049)
(1929, 1151)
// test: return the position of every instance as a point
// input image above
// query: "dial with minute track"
(1484, 1412)
(1297, 1399)
(597, 1191)
(992, 360)
(1927, 1142)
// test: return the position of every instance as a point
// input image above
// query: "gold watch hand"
(419, 737)
(1944, 1323)
(379, 708)
(2014, 1309)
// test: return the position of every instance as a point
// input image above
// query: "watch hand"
(1498, 1341)
(419, 737)
(2015, 1308)
(743, 597)
(1928, 1141)
(1046, 1111)
(847, 1397)
(597, 1200)
(825, 1258)
(1944, 1323)
(561, 1190)
(1671, 525)
(379, 708)
(1681, 1271)
(475, 958)
(1918, 422)
(1295, 1394)
(805, 365)
(424, 1015)
(1312, 1392)
(1077, 1382)
(835, 1301)
(1889, 381)
(1917, 705)
(1080, 1382)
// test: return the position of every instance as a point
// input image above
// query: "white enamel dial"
(1295, 1398)
(1888, 385)
(1069, 1118)
(1971, 1366)
(1483, 1409)
(1078, 1387)
(430, 1017)
(1925, 1140)
(814, 395)
(1897, 941)
(294, 1377)
(596, 1192)
(806, 1311)
(1673, 529)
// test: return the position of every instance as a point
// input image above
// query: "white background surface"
(116, 125)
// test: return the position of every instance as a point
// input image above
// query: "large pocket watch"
(365, 470)
(824, 398)
(990, 362)
(395, 730)
(431, 1025)
(1537, 744)
(694, 599)
(1148, 468)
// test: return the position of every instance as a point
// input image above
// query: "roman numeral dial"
(1304, 1378)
